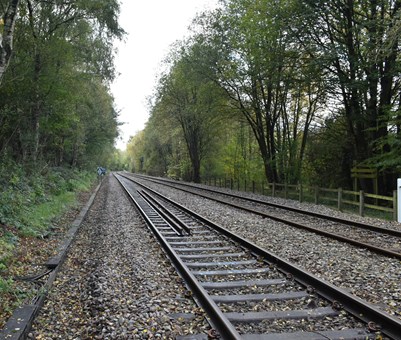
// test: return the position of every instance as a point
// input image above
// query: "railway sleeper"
(259, 297)
(219, 264)
(208, 256)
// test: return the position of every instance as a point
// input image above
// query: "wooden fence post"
(340, 199)
(285, 191)
(395, 206)
(253, 186)
(300, 193)
(316, 194)
(361, 203)
(274, 189)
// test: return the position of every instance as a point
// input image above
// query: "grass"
(30, 203)
(40, 216)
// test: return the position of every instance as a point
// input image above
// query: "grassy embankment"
(30, 204)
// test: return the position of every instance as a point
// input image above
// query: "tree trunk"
(194, 155)
(6, 37)
(36, 111)
(196, 171)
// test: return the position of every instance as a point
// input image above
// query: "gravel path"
(116, 282)
(372, 277)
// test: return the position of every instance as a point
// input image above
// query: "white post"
(399, 200)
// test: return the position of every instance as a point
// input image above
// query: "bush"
(30, 200)
(6, 247)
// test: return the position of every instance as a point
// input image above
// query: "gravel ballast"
(372, 277)
(116, 282)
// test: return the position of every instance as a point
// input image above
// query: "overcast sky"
(152, 26)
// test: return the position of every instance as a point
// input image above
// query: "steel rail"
(388, 231)
(171, 218)
(219, 321)
(177, 228)
(378, 250)
(390, 326)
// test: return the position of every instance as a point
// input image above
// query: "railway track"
(384, 241)
(248, 292)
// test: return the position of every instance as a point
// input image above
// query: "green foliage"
(328, 149)
(29, 201)
(119, 161)
(306, 89)
(189, 101)
(5, 285)
(267, 78)
(239, 156)
(56, 107)
(387, 149)
(8, 241)
(15, 192)
(37, 219)
(355, 42)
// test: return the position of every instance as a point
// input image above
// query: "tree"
(64, 56)
(134, 151)
(7, 25)
(51, 22)
(355, 41)
(328, 157)
(267, 77)
(191, 100)
(239, 152)
(92, 136)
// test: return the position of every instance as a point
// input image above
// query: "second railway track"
(384, 241)
(250, 293)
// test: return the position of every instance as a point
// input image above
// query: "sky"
(152, 26)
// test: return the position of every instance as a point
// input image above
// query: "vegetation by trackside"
(315, 83)
(30, 204)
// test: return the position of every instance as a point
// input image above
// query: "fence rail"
(342, 199)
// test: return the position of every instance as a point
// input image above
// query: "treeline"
(56, 64)
(290, 91)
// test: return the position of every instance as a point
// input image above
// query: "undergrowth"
(29, 201)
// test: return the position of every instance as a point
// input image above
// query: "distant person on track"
(101, 172)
